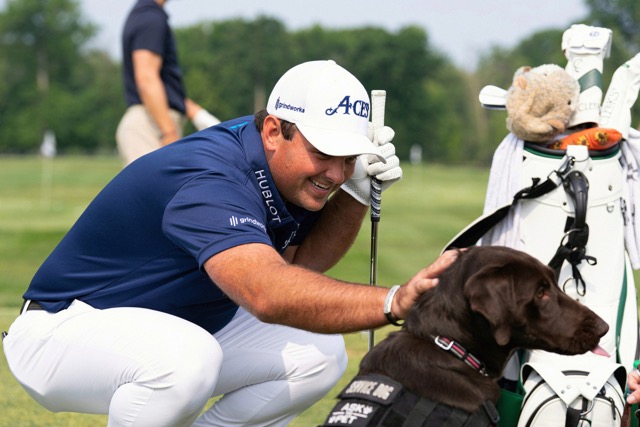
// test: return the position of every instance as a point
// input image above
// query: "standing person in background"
(156, 101)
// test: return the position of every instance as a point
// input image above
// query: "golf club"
(378, 100)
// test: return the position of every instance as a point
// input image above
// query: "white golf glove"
(368, 165)
(204, 119)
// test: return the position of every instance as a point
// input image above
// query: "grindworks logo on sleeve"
(269, 202)
(235, 221)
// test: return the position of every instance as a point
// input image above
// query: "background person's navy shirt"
(143, 240)
(147, 27)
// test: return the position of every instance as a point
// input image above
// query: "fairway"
(39, 201)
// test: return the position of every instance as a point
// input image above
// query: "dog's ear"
(490, 292)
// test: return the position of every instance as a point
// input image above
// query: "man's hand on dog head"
(426, 279)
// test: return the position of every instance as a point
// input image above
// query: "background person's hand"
(200, 117)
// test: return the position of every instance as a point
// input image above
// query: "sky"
(462, 29)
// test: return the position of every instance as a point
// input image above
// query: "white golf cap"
(329, 106)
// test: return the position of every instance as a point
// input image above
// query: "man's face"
(303, 175)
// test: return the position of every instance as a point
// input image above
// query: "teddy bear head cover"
(540, 102)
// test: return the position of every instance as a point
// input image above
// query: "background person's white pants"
(147, 368)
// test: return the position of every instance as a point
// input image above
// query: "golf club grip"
(378, 100)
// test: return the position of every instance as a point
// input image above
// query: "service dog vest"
(377, 400)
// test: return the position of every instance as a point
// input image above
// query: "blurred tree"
(621, 16)
(48, 78)
(398, 63)
(229, 67)
(40, 41)
(234, 64)
(89, 107)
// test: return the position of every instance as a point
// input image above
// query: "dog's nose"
(602, 327)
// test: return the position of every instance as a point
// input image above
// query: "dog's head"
(512, 299)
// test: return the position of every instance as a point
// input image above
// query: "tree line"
(49, 79)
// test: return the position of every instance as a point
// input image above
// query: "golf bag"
(569, 212)
(572, 398)
(578, 229)
(573, 209)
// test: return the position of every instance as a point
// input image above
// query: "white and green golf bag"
(579, 229)
(574, 210)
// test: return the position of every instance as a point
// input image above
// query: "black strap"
(470, 235)
(573, 245)
(577, 186)
(420, 412)
(575, 415)
(491, 411)
(456, 418)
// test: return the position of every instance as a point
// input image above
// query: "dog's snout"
(588, 335)
(601, 326)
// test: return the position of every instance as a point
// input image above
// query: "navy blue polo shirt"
(143, 241)
(147, 27)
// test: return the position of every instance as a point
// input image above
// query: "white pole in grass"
(47, 152)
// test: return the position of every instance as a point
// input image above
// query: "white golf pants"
(147, 368)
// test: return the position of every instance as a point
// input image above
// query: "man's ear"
(271, 132)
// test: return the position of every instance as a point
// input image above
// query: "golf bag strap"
(574, 415)
(473, 233)
(573, 245)
(620, 318)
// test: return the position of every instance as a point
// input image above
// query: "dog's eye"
(541, 292)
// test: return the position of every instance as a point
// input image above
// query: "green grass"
(419, 216)
(40, 200)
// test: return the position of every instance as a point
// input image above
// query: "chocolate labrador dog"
(442, 367)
